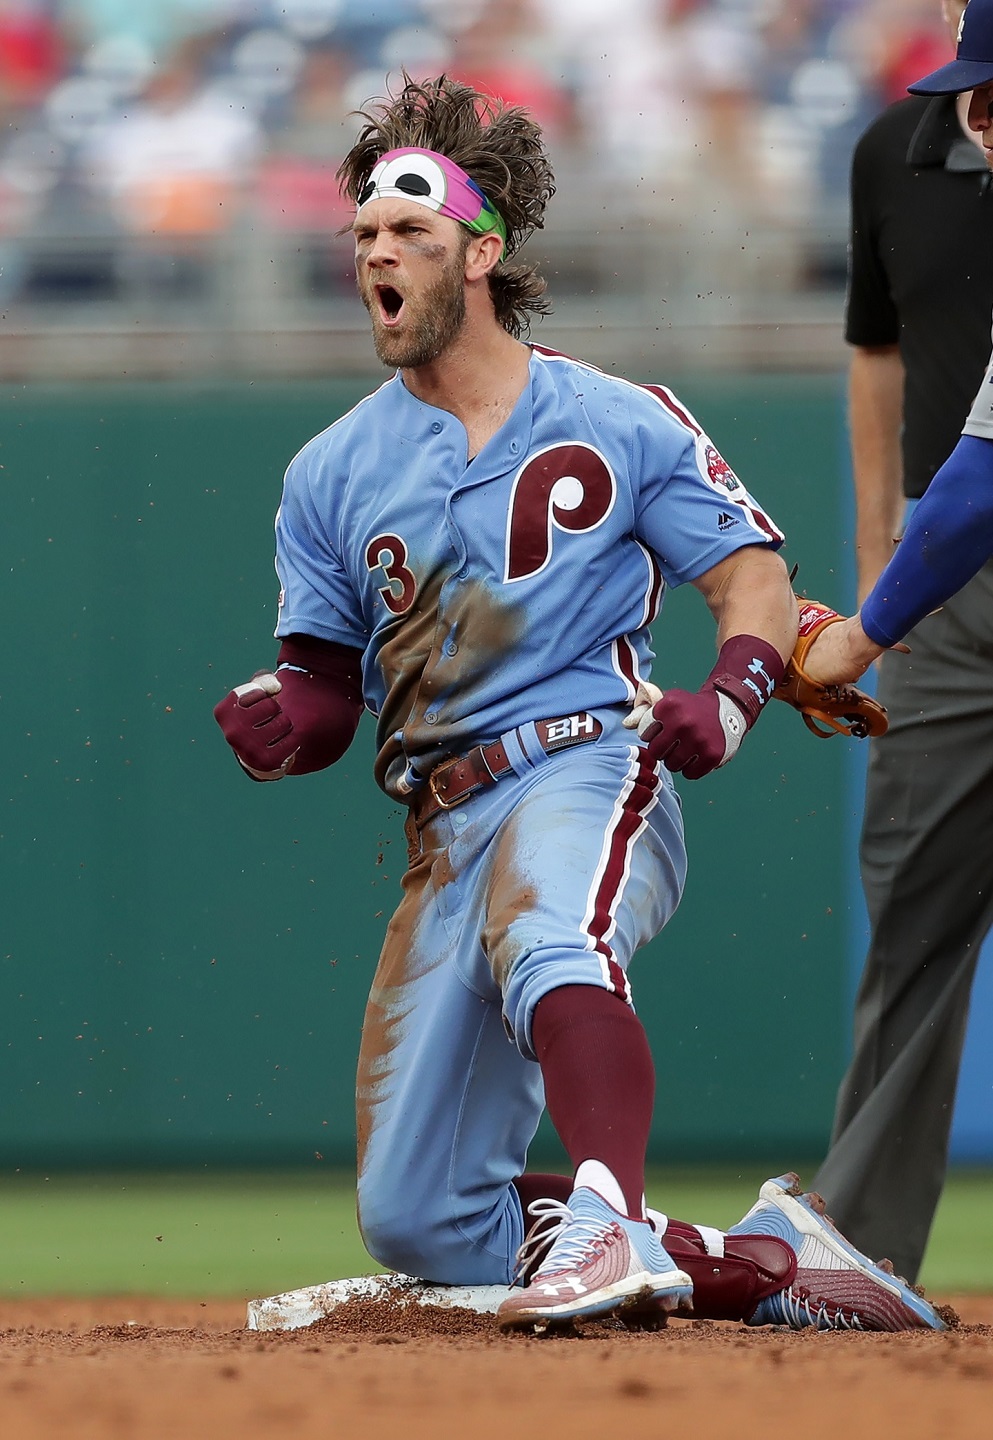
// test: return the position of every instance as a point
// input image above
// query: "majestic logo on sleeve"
(565, 487)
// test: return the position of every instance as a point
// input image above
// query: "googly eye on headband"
(437, 183)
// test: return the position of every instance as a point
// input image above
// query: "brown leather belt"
(455, 780)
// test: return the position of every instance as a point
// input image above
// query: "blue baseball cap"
(973, 63)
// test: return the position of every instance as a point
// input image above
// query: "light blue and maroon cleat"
(836, 1287)
(597, 1262)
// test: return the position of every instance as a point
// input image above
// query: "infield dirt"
(146, 1369)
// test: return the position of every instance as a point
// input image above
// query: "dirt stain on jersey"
(422, 679)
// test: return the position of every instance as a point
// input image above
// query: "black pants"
(927, 870)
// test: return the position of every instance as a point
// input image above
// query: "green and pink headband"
(437, 183)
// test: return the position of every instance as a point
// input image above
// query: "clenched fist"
(694, 733)
(699, 731)
(295, 720)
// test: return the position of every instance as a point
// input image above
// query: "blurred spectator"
(716, 53)
(32, 55)
(297, 189)
(176, 162)
(895, 42)
(689, 118)
(501, 52)
(814, 103)
(629, 104)
(157, 23)
(665, 91)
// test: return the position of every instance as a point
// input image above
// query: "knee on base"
(433, 1244)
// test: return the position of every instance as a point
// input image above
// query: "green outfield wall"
(184, 955)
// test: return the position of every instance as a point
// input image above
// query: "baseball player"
(950, 534)
(475, 554)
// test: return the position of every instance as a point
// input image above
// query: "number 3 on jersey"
(565, 487)
(389, 554)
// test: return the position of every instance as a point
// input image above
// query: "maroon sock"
(533, 1186)
(599, 1081)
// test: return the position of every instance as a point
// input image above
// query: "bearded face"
(417, 307)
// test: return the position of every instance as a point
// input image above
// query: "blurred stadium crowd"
(172, 152)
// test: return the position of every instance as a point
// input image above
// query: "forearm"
(750, 594)
(875, 417)
(752, 600)
(750, 597)
(948, 539)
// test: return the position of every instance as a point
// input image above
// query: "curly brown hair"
(499, 146)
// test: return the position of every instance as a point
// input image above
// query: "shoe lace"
(798, 1306)
(553, 1218)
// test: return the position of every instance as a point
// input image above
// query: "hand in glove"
(697, 732)
(302, 718)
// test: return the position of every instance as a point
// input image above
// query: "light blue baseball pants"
(554, 876)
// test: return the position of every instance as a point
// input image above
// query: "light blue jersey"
(517, 584)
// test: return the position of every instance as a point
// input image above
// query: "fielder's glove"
(826, 709)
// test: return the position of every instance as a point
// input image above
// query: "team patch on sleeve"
(719, 472)
(716, 471)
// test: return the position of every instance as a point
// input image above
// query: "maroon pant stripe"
(639, 798)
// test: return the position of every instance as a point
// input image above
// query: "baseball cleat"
(598, 1262)
(836, 1286)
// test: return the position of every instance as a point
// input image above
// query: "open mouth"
(390, 304)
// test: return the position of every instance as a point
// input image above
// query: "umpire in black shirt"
(918, 317)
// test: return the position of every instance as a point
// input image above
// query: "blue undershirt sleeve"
(948, 539)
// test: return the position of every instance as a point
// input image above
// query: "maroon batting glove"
(298, 719)
(696, 733)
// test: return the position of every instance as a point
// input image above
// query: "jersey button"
(437, 427)
(451, 648)
(431, 718)
(463, 573)
(514, 447)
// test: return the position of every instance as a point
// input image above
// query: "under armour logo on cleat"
(572, 1283)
